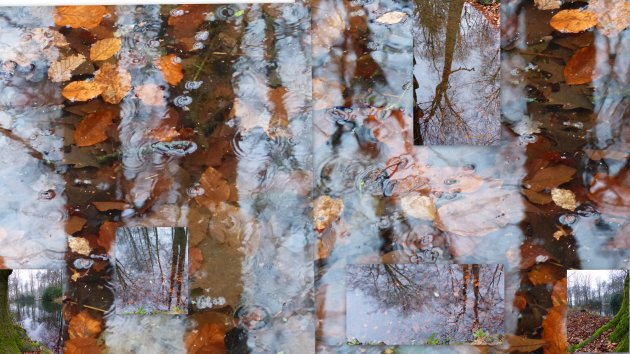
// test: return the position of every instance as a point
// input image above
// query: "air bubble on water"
(195, 190)
(47, 195)
(198, 45)
(193, 85)
(567, 219)
(82, 263)
(175, 148)
(182, 101)
(528, 138)
(218, 301)
(251, 317)
(450, 181)
(202, 35)
(224, 12)
(383, 223)
(128, 213)
(176, 60)
(154, 43)
(177, 12)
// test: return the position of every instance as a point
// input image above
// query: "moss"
(623, 345)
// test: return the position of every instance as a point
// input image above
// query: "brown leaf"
(532, 254)
(611, 192)
(580, 67)
(280, 116)
(216, 188)
(62, 70)
(82, 346)
(74, 224)
(164, 133)
(195, 259)
(550, 177)
(564, 198)
(150, 95)
(2, 265)
(326, 210)
(105, 206)
(536, 197)
(520, 344)
(209, 338)
(82, 90)
(92, 129)
(559, 294)
(184, 22)
(80, 16)
(554, 331)
(573, 21)
(107, 234)
(520, 302)
(84, 326)
(115, 82)
(541, 274)
(171, 69)
(105, 48)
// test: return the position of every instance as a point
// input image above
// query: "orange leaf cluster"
(93, 128)
(581, 66)
(111, 82)
(80, 16)
(171, 69)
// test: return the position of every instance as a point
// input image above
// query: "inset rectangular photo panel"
(30, 310)
(151, 270)
(425, 304)
(456, 72)
(597, 313)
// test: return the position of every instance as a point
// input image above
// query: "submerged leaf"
(581, 66)
(82, 346)
(84, 326)
(520, 344)
(419, 207)
(171, 69)
(215, 188)
(150, 95)
(573, 21)
(613, 15)
(548, 4)
(115, 83)
(82, 90)
(564, 198)
(80, 16)
(93, 128)
(105, 48)
(550, 177)
(107, 234)
(326, 210)
(105, 206)
(555, 331)
(392, 17)
(62, 70)
(209, 338)
(79, 245)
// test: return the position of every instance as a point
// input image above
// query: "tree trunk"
(8, 336)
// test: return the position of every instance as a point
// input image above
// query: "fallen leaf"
(554, 331)
(548, 4)
(541, 274)
(92, 129)
(520, 302)
(215, 188)
(79, 16)
(107, 234)
(280, 117)
(208, 338)
(564, 198)
(550, 177)
(559, 293)
(75, 275)
(150, 95)
(612, 15)
(171, 69)
(105, 206)
(195, 259)
(536, 197)
(84, 326)
(79, 245)
(419, 207)
(62, 70)
(185, 21)
(560, 233)
(164, 134)
(392, 18)
(2, 265)
(82, 90)
(326, 210)
(105, 48)
(524, 345)
(573, 21)
(532, 254)
(581, 66)
(115, 82)
(82, 346)
(74, 224)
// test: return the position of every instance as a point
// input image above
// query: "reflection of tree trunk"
(157, 252)
(8, 336)
(465, 277)
(475, 272)
(417, 112)
(177, 265)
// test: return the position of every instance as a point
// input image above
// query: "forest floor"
(491, 12)
(580, 325)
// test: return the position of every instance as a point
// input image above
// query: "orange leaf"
(184, 22)
(209, 338)
(80, 16)
(105, 206)
(92, 129)
(326, 210)
(150, 95)
(573, 21)
(216, 188)
(542, 274)
(82, 90)
(559, 294)
(580, 67)
(520, 302)
(106, 234)
(74, 224)
(115, 83)
(2, 266)
(164, 133)
(171, 69)
(195, 258)
(84, 326)
(105, 48)
(555, 331)
(82, 346)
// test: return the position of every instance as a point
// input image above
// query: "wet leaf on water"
(559, 293)
(171, 69)
(84, 325)
(581, 66)
(612, 15)
(107, 234)
(392, 17)
(61, 70)
(82, 346)
(550, 177)
(2, 266)
(564, 198)
(74, 224)
(115, 82)
(164, 133)
(520, 344)
(548, 4)
(573, 21)
(419, 207)
(105, 48)
(611, 193)
(80, 16)
(536, 197)
(184, 21)
(532, 254)
(79, 245)
(195, 259)
(280, 116)
(554, 331)
(209, 338)
(326, 210)
(82, 90)
(105, 206)
(150, 95)
(215, 186)
(520, 301)
(93, 128)
(541, 274)
(560, 233)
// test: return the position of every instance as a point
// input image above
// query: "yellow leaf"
(115, 83)
(80, 16)
(548, 4)
(62, 70)
(326, 210)
(419, 207)
(79, 245)
(92, 129)
(105, 48)
(82, 90)
(171, 69)
(573, 21)
(564, 198)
